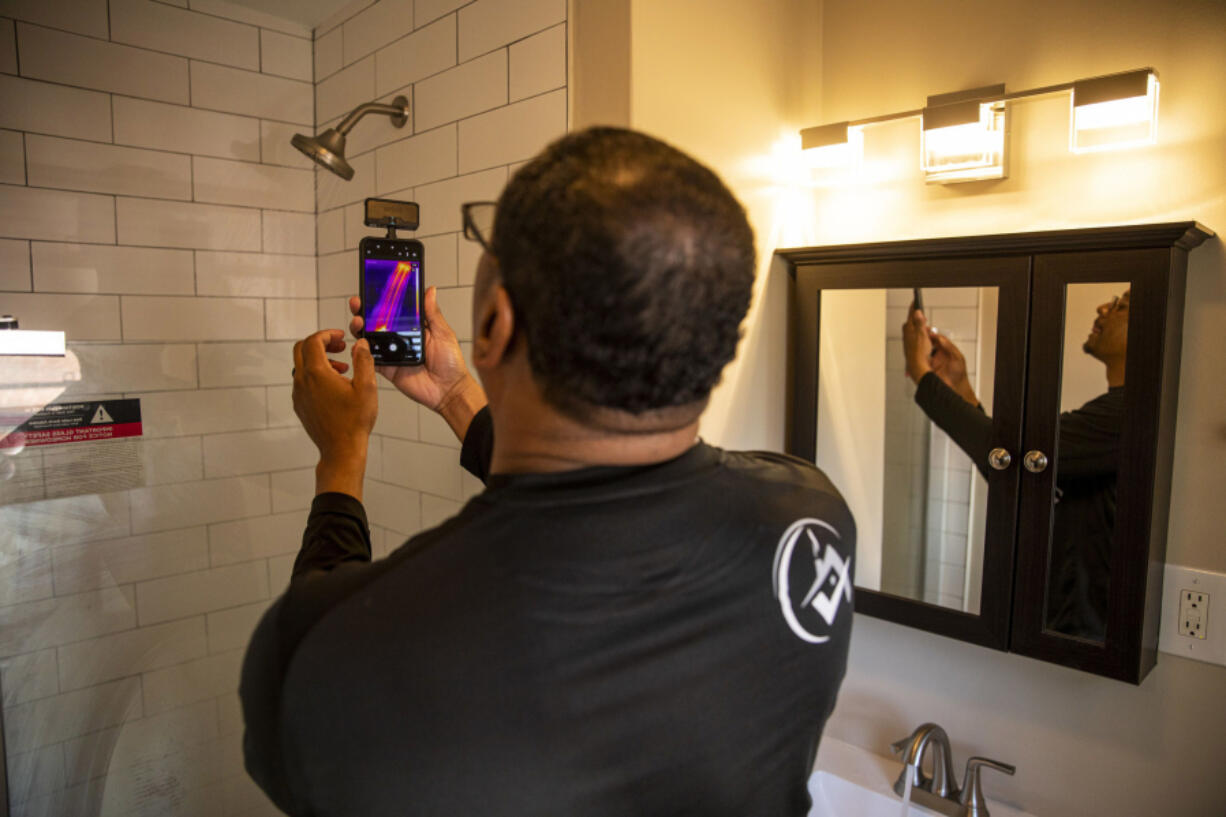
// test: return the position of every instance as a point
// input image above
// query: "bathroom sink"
(835, 797)
(848, 781)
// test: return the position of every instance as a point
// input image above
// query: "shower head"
(328, 148)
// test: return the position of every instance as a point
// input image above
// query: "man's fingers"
(315, 347)
(434, 315)
(337, 341)
(340, 365)
(355, 304)
(298, 356)
(356, 325)
(363, 365)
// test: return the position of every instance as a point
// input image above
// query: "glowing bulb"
(1115, 123)
(969, 151)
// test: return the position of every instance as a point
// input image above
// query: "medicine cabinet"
(1023, 505)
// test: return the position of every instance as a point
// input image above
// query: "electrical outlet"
(1193, 613)
(1197, 632)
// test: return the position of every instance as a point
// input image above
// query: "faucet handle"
(972, 799)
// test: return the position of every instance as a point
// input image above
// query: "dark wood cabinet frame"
(1032, 271)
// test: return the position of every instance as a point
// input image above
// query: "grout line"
(306, 83)
(16, 49)
(156, 50)
(238, 22)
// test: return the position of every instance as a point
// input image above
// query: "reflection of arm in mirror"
(967, 425)
(944, 390)
(927, 350)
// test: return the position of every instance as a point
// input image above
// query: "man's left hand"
(338, 413)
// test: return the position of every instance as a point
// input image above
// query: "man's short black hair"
(630, 267)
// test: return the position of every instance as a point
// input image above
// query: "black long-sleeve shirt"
(1086, 462)
(659, 640)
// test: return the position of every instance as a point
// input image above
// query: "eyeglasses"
(478, 217)
(1118, 304)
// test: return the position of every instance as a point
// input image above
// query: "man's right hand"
(949, 364)
(927, 350)
(917, 345)
(442, 383)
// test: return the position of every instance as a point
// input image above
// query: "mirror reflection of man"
(1087, 459)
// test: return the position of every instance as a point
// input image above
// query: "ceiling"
(309, 13)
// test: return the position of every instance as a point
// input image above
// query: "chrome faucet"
(912, 748)
(940, 791)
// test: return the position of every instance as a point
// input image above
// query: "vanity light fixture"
(832, 153)
(964, 135)
(1112, 112)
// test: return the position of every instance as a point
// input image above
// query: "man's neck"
(531, 436)
(546, 447)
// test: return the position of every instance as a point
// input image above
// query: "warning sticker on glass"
(77, 422)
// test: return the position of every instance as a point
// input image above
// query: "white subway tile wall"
(152, 207)
(12, 158)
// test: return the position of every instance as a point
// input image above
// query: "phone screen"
(391, 300)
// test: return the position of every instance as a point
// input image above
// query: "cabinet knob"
(999, 458)
(1035, 461)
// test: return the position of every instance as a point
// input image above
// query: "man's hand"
(338, 413)
(927, 350)
(917, 345)
(950, 365)
(442, 383)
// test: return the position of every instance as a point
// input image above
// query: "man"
(627, 621)
(1087, 461)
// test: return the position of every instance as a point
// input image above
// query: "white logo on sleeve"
(818, 563)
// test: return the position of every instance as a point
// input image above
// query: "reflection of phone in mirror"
(917, 300)
(391, 287)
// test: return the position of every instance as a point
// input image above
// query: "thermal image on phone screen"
(391, 292)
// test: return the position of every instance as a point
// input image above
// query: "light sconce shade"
(1113, 112)
(832, 151)
(962, 139)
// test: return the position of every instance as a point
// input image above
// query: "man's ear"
(494, 329)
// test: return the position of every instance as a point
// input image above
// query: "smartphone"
(917, 300)
(391, 285)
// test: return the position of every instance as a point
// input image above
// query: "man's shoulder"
(775, 467)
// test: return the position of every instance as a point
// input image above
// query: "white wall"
(152, 206)
(1082, 745)
(730, 84)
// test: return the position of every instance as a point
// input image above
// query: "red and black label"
(78, 422)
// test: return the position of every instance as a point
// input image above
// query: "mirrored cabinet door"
(1091, 456)
(913, 459)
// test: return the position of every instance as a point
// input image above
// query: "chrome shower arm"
(398, 111)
